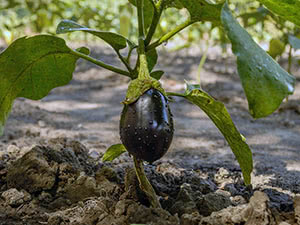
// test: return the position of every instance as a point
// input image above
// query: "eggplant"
(146, 126)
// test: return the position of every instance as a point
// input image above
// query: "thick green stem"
(158, 8)
(143, 69)
(145, 184)
(140, 14)
(100, 63)
(169, 35)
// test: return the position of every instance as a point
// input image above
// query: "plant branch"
(158, 8)
(140, 14)
(175, 94)
(145, 184)
(126, 63)
(100, 63)
(169, 35)
(290, 60)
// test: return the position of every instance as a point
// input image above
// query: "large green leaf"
(114, 40)
(31, 67)
(113, 152)
(200, 10)
(217, 112)
(287, 9)
(265, 83)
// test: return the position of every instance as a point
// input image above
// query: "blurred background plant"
(28, 17)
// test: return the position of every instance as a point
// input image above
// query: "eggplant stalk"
(145, 184)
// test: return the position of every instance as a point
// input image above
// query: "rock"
(213, 202)
(139, 214)
(32, 172)
(184, 203)
(279, 200)
(132, 188)
(257, 211)
(254, 213)
(297, 209)
(190, 219)
(14, 198)
(61, 174)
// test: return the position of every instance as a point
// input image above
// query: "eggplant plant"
(32, 66)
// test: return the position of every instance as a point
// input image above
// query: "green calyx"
(144, 81)
(139, 86)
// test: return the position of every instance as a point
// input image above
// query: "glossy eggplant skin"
(146, 126)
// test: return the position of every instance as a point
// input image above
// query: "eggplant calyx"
(138, 87)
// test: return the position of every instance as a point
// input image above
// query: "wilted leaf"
(114, 40)
(287, 9)
(217, 112)
(31, 67)
(265, 83)
(294, 42)
(113, 152)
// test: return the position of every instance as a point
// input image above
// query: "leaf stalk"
(100, 63)
(169, 35)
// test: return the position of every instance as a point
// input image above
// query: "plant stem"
(290, 60)
(145, 184)
(124, 61)
(175, 94)
(202, 61)
(143, 69)
(155, 20)
(169, 35)
(100, 63)
(140, 14)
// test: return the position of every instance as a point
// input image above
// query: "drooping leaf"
(31, 67)
(116, 41)
(294, 42)
(157, 74)
(287, 9)
(113, 152)
(265, 83)
(217, 112)
(200, 10)
(151, 58)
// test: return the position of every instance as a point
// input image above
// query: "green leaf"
(200, 10)
(287, 9)
(217, 112)
(116, 41)
(113, 152)
(157, 74)
(151, 58)
(294, 42)
(265, 83)
(31, 67)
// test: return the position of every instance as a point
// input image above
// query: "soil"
(50, 155)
